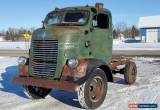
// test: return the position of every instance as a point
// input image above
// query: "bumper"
(51, 84)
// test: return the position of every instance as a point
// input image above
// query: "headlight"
(72, 63)
(22, 60)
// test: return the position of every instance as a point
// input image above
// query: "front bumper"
(46, 83)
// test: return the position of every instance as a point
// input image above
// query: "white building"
(149, 28)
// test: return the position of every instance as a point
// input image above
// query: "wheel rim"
(133, 75)
(96, 89)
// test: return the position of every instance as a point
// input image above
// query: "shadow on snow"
(7, 86)
(65, 97)
(6, 82)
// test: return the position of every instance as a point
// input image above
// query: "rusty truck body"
(73, 52)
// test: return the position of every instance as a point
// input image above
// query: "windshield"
(67, 18)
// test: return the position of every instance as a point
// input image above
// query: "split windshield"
(67, 18)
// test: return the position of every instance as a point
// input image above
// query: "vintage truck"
(73, 52)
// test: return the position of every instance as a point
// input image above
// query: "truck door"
(102, 37)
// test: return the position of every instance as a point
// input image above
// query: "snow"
(119, 95)
(14, 45)
(136, 46)
(147, 59)
(118, 44)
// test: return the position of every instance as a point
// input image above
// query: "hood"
(65, 30)
(53, 32)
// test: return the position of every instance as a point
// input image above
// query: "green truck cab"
(73, 52)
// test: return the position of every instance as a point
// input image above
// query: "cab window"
(101, 21)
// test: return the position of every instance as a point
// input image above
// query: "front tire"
(91, 94)
(36, 92)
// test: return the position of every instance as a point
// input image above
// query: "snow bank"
(14, 45)
(118, 41)
(136, 46)
(119, 44)
(147, 59)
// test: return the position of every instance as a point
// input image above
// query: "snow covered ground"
(136, 46)
(145, 90)
(117, 45)
(13, 45)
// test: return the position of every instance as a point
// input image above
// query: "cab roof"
(89, 8)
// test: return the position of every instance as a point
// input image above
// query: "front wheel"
(92, 93)
(36, 92)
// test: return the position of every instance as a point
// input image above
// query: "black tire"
(92, 93)
(130, 73)
(36, 92)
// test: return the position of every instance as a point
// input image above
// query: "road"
(13, 53)
(155, 53)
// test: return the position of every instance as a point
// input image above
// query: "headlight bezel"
(22, 60)
(72, 63)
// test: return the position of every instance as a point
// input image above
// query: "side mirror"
(94, 22)
(43, 25)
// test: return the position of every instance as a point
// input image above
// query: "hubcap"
(96, 89)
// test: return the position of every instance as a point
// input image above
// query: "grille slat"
(37, 69)
(44, 48)
(44, 57)
(44, 54)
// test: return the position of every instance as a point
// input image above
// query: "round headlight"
(22, 60)
(72, 63)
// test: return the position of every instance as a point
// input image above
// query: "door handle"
(87, 44)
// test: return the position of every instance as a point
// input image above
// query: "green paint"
(71, 40)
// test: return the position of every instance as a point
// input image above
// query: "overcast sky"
(30, 13)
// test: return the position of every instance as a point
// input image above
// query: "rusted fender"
(82, 72)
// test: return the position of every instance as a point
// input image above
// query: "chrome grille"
(44, 57)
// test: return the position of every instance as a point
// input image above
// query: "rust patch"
(78, 72)
(114, 63)
(54, 84)
(65, 30)
(23, 70)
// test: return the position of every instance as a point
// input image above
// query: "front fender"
(24, 69)
(83, 71)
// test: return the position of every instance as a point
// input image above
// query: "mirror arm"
(43, 27)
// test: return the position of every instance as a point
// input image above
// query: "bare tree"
(10, 34)
(127, 31)
(115, 35)
(120, 27)
(15, 34)
(134, 32)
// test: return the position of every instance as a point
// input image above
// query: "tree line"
(121, 28)
(15, 34)
(125, 30)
